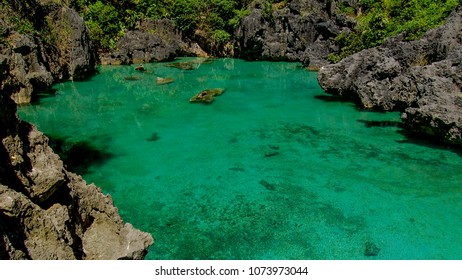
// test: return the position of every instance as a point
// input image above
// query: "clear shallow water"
(270, 170)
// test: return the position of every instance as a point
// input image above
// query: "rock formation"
(421, 78)
(207, 95)
(154, 41)
(295, 30)
(62, 51)
(47, 212)
(164, 81)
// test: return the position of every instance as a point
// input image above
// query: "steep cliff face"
(291, 31)
(422, 79)
(54, 45)
(47, 212)
(154, 41)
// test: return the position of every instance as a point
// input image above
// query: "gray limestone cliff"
(47, 212)
(54, 45)
(293, 30)
(421, 78)
(153, 41)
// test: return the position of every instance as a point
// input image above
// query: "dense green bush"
(107, 19)
(381, 19)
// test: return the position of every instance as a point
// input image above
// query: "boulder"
(154, 41)
(421, 78)
(140, 68)
(164, 81)
(206, 96)
(371, 249)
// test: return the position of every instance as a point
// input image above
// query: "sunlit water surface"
(272, 169)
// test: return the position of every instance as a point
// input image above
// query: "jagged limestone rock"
(421, 78)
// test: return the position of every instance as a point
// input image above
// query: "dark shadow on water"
(79, 156)
(333, 98)
(38, 96)
(89, 77)
(370, 124)
(340, 99)
(428, 141)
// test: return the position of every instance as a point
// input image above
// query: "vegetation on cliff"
(215, 21)
(212, 19)
(381, 19)
(16, 15)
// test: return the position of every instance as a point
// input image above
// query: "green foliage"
(385, 18)
(22, 25)
(13, 18)
(220, 37)
(185, 14)
(107, 19)
(238, 16)
(346, 9)
(105, 24)
(267, 10)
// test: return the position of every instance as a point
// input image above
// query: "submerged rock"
(267, 185)
(271, 154)
(183, 65)
(154, 137)
(164, 81)
(131, 78)
(207, 96)
(421, 78)
(371, 249)
(240, 169)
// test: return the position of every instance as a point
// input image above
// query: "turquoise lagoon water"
(272, 169)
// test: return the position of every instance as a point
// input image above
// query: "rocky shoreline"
(421, 78)
(33, 63)
(47, 212)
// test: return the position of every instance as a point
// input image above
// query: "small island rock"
(207, 96)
